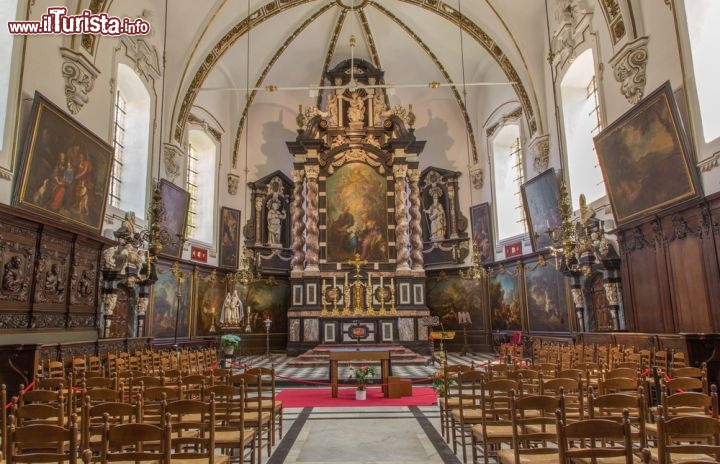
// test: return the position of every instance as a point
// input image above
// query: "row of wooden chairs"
(465, 392)
(150, 361)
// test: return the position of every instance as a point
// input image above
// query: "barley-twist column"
(259, 201)
(298, 225)
(416, 243)
(313, 233)
(452, 185)
(402, 239)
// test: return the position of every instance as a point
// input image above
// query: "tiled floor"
(373, 435)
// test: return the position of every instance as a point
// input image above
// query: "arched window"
(131, 141)
(581, 117)
(704, 35)
(8, 12)
(201, 183)
(508, 177)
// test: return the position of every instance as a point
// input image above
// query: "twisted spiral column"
(313, 232)
(416, 243)
(298, 225)
(402, 239)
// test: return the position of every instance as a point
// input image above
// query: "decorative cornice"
(172, 159)
(5, 175)
(144, 56)
(514, 115)
(539, 149)
(80, 75)
(206, 127)
(709, 163)
(614, 18)
(629, 69)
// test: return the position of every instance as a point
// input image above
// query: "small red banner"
(513, 249)
(198, 254)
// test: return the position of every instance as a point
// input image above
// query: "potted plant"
(361, 376)
(229, 343)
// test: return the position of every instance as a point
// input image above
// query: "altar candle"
(381, 281)
(369, 281)
(334, 281)
(346, 280)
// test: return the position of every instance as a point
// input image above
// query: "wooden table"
(359, 354)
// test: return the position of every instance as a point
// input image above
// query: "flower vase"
(361, 395)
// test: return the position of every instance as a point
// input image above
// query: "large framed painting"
(267, 297)
(546, 294)
(645, 159)
(450, 295)
(541, 198)
(229, 237)
(505, 299)
(175, 202)
(170, 313)
(64, 170)
(211, 290)
(356, 214)
(482, 232)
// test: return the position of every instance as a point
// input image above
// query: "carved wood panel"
(17, 259)
(83, 277)
(687, 271)
(600, 317)
(52, 271)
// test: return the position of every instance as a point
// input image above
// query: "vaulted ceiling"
(214, 54)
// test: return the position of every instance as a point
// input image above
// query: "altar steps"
(320, 356)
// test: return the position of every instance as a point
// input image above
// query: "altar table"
(360, 354)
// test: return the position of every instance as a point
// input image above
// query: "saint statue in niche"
(275, 218)
(356, 112)
(436, 216)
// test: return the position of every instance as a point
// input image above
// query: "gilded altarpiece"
(357, 273)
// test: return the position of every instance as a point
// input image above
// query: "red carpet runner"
(320, 397)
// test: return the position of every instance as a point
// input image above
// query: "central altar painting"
(357, 214)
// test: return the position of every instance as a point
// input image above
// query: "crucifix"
(357, 285)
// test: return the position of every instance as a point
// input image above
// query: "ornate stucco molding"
(539, 149)
(172, 159)
(144, 56)
(629, 69)
(706, 165)
(80, 75)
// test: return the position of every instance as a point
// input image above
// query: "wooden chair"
(495, 427)
(258, 419)
(626, 372)
(611, 406)
(469, 411)
(192, 429)
(269, 402)
(136, 443)
(231, 432)
(449, 398)
(573, 392)
(42, 443)
(533, 426)
(688, 439)
(95, 416)
(595, 440)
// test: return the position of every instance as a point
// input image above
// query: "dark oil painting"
(448, 295)
(167, 310)
(546, 297)
(356, 214)
(65, 168)
(645, 158)
(505, 301)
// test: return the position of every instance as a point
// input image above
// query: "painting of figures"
(166, 309)
(645, 158)
(546, 297)
(356, 214)
(268, 297)
(229, 237)
(448, 296)
(482, 232)
(64, 168)
(505, 301)
(175, 203)
(210, 295)
(541, 198)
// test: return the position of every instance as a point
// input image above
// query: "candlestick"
(381, 281)
(323, 289)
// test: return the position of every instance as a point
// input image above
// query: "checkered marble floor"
(289, 375)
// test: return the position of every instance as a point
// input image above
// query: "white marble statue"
(232, 311)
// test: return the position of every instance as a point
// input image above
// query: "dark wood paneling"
(671, 270)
